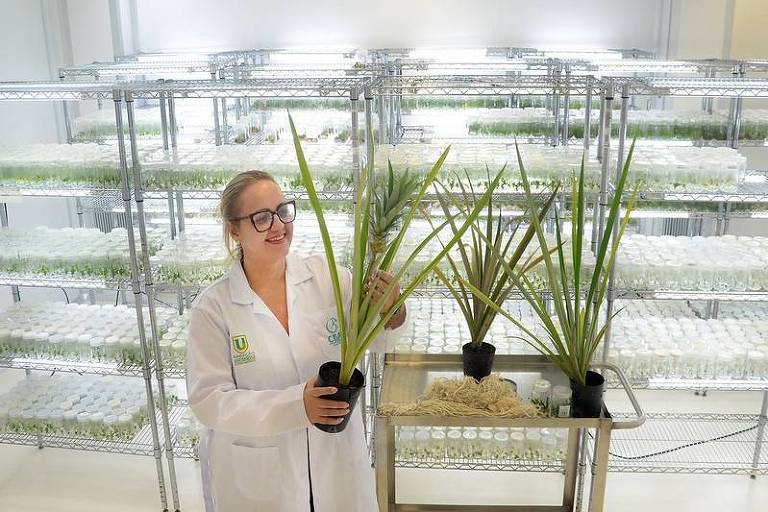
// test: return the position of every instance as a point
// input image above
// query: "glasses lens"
(287, 212)
(262, 221)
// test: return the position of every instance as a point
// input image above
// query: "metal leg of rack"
(136, 288)
(4, 223)
(149, 287)
(588, 118)
(615, 231)
(180, 211)
(171, 215)
(571, 468)
(354, 94)
(172, 120)
(67, 122)
(164, 119)
(581, 472)
(760, 434)
(556, 110)
(566, 104)
(224, 122)
(600, 124)
(606, 163)
(600, 468)
(216, 127)
(382, 118)
(399, 102)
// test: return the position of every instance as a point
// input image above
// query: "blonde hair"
(229, 202)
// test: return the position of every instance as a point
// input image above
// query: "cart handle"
(632, 398)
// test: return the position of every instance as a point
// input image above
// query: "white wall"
(91, 32)
(23, 56)
(183, 24)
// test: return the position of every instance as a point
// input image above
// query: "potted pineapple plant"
(482, 265)
(575, 328)
(366, 318)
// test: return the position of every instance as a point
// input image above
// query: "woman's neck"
(262, 276)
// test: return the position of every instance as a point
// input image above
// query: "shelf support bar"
(588, 117)
(605, 163)
(566, 103)
(354, 95)
(216, 127)
(149, 288)
(4, 223)
(615, 231)
(164, 119)
(760, 433)
(138, 303)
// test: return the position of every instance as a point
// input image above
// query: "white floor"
(63, 480)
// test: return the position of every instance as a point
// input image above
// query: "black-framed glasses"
(263, 219)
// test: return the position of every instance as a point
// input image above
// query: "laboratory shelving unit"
(377, 91)
(149, 440)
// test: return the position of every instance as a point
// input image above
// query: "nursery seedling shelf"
(82, 282)
(732, 455)
(80, 367)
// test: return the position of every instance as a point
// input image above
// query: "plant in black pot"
(366, 318)
(482, 265)
(576, 326)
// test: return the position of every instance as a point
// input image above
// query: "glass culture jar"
(437, 443)
(540, 395)
(453, 443)
(560, 403)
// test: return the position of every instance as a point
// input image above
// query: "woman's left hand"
(379, 283)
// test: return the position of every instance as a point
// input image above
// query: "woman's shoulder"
(213, 294)
(317, 266)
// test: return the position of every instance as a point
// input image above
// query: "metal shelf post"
(216, 127)
(149, 288)
(136, 288)
(354, 95)
(615, 231)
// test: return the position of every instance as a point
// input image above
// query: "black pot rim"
(357, 381)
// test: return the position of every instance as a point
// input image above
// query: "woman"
(257, 339)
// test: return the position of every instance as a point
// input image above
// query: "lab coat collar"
(296, 272)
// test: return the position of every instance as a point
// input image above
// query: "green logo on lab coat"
(242, 350)
(332, 326)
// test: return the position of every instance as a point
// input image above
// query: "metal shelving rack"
(386, 79)
(561, 84)
(720, 444)
(148, 441)
(304, 87)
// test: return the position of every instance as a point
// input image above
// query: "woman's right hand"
(321, 410)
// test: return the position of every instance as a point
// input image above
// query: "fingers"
(317, 392)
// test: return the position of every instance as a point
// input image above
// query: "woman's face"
(270, 246)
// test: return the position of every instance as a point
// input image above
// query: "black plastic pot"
(328, 376)
(478, 360)
(587, 401)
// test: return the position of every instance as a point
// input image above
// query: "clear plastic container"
(517, 445)
(437, 444)
(471, 446)
(533, 443)
(454, 448)
(540, 394)
(560, 404)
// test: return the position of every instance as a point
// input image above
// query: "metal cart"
(406, 376)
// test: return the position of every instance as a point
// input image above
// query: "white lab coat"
(249, 394)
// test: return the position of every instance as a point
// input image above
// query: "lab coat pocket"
(256, 471)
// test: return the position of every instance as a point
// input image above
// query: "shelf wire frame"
(689, 443)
